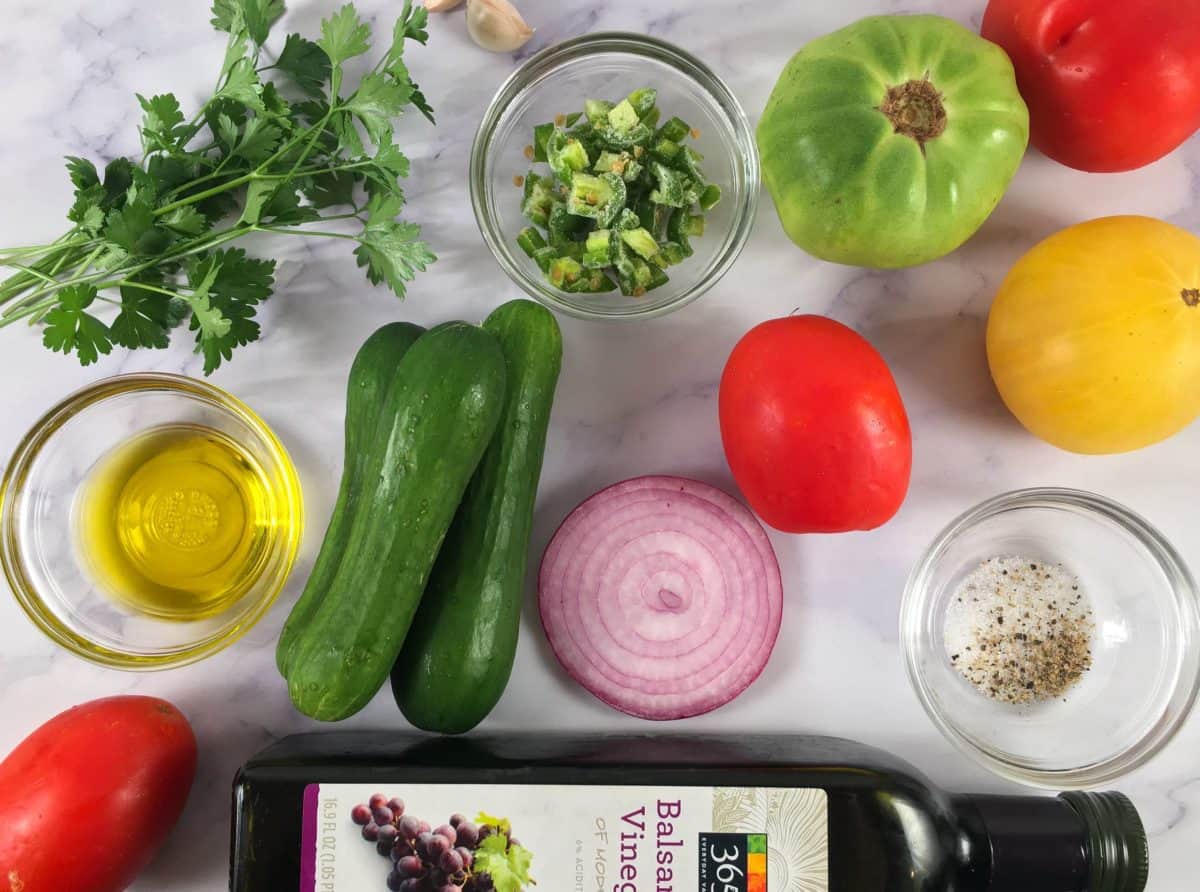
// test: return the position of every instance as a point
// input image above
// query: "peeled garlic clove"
(496, 25)
(442, 5)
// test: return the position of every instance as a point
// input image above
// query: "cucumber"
(459, 653)
(435, 422)
(370, 375)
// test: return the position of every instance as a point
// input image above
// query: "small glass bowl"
(1145, 663)
(610, 65)
(39, 548)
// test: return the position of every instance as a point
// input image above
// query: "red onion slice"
(661, 596)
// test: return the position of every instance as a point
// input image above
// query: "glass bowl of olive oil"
(148, 521)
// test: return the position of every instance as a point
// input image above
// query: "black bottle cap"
(1117, 850)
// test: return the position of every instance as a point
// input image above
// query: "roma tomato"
(87, 799)
(814, 428)
(889, 142)
(1094, 337)
(1111, 84)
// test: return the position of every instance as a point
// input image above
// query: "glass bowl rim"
(915, 604)
(584, 46)
(44, 429)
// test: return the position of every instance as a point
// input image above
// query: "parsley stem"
(143, 286)
(325, 234)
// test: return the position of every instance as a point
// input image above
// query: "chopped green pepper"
(541, 134)
(642, 100)
(665, 150)
(670, 186)
(543, 257)
(710, 197)
(623, 200)
(564, 271)
(529, 239)
(622, 163)
(597, 250)
(641, 241)
(675, 130)
(597, 110)
(566, 155)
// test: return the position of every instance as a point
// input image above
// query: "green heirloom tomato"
(889, 142)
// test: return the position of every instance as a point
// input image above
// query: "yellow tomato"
(1094, 337)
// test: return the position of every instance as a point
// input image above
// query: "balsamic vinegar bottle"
(355, 811)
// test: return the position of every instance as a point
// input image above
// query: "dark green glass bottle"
(661, 814)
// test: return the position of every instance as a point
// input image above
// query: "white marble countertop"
(633, 399)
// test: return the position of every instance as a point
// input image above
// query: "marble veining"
(632, 399)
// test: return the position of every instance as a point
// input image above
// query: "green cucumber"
(371, 373)
(459, 653)
(436, 420)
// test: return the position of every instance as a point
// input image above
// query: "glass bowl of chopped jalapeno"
(1053, 635)
(614, 176)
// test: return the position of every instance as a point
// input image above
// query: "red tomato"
(813, 426)
(1110, 84)
(88, 798)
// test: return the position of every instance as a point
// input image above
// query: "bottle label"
(513, 838)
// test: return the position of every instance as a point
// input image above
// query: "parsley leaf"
(306, 63)
(70, 328)
(186, 220)
(242, 85)
(391, 253)
(284, 209)
(82, 172)
(132, 229)
(162, 124)
(255, 16)
(344, 35)
(329, 189)
(227, 285)
(258, 141)
(376, 102)
(144, 320)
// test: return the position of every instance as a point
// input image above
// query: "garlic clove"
(442, 5)
(496, 25)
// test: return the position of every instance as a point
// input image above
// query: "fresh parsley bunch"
(149, 236)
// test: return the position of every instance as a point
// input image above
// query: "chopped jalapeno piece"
(530, 240)
(543, 257)
(665, 150)
(564, 271)
(597, 250)
(624, 117)
(623, 200)
(675, 130)
(688, 160)
(564, 225)
(642, 100)
(597, 110)
(677, 232)
(541, 133)
(565, 155)
(670, 186)
(627, 219)
(622, 163)
(641, 241)
(671, 253)
(593, 281)
(625, 139)
(710, 197)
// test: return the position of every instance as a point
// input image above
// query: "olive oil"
(175, 522)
